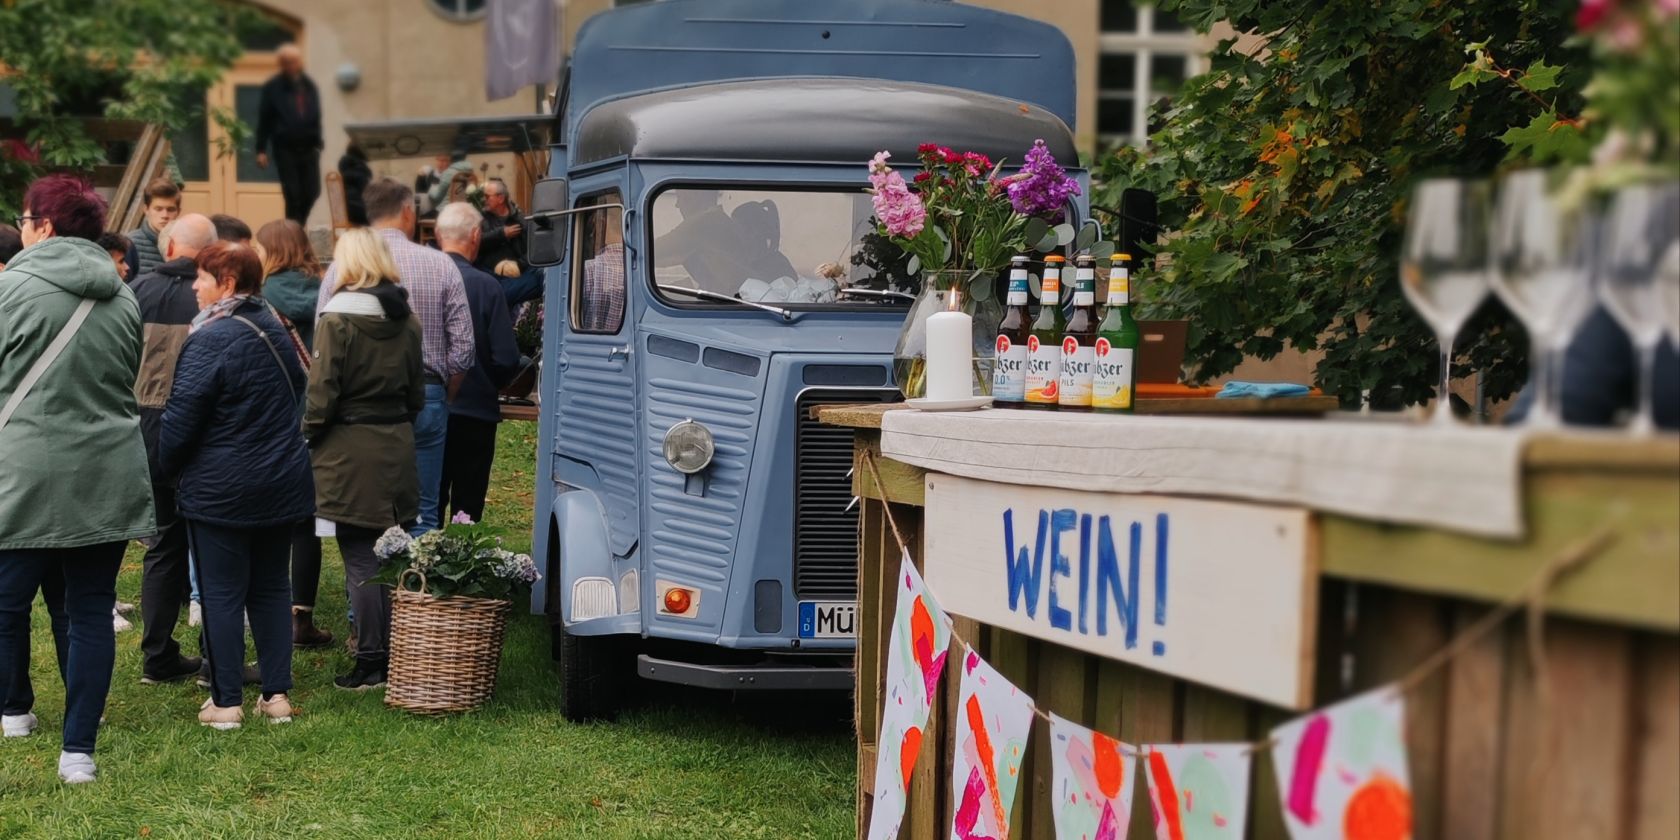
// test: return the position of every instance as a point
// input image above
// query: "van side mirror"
(546, 224)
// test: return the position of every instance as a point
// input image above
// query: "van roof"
(821, 120)
(640, 48)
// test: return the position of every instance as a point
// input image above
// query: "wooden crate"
(1592, 750)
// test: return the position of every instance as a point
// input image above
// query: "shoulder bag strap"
(46, 359)
(271, 349)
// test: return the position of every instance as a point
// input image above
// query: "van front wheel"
(594, 675)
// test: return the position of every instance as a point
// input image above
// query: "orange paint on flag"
(908, 749)
(988, 761)
(1166, 795)
(1380, 810)
(1111, 771)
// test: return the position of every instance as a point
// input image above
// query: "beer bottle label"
(1009, 376)
(1050, 293)
(1085, 287)
(1018, 288)
(1078, 371)
(1044, 371)
(1112, 385)
(1119, 287)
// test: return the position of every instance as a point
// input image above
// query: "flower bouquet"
(447, 630)
(960, 220)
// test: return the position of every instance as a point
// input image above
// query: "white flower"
(391, 543)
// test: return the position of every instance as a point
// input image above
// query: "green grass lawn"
(685, 764)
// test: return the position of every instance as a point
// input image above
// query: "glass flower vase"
(910, 356)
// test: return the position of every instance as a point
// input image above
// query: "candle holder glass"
(943, 290)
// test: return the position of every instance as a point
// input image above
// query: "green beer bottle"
(1115, 385)
(1044, 341)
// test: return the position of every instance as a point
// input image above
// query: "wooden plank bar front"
(1593, 751)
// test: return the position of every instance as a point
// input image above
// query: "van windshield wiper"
(879, 294)
(787, 315)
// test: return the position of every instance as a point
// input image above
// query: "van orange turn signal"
(678, 600)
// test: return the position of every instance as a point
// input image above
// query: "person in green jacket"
(74, 485)
(366, 386)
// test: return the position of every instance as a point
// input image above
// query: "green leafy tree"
(1283, 174)
(68, 60)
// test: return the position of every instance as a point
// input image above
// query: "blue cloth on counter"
(1262, 390)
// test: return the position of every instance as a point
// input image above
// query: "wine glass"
(1634, 270)
(1444, 262)
(1542, 269)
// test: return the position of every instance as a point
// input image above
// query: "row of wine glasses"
(1551, 253)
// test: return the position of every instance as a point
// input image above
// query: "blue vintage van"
(713, 278)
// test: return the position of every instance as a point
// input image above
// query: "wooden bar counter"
(1587, 747)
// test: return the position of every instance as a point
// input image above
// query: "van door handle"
(619, 353)
(562, 360)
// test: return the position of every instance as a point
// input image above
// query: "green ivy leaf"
(1546, 139)
(1540, 76)
(1473, 73)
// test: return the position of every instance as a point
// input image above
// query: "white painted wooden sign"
(1220, 593)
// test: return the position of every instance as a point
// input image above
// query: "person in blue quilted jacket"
(231, 440)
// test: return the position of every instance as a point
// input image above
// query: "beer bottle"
(1079, 341)
(1115, 384)
(1044, 341)
(1009, 376)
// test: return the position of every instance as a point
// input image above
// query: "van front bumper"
(746, 677)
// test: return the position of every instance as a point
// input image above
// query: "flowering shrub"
(958, 214)
(462, 558)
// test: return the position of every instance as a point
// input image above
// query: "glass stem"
(1443, 394)
(1540, 360)
(1644, 423)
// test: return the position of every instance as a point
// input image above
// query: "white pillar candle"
(950, 356)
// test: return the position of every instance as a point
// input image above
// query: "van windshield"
(784, 247)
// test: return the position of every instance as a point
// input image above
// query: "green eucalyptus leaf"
(914, 266)
(1064, 233)
(1035, 229)
(1087, 236)
(980, 288)
(1049, 243)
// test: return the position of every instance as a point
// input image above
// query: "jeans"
(370, 602)
(164, 586)
(245, 571)
(306, 564)
(431, 430)
(466, 465)
(525, 287)
(192, 577)
(90, 592)
(21, 699)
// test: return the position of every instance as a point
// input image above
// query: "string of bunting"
(1367, 794)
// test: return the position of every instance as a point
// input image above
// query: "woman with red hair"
(73, 480)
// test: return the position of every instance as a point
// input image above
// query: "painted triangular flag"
(1342, 770)
(994, 719)
(916, 652)
(1091, 786)
(1198, 791)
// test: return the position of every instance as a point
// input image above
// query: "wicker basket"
(444, 651)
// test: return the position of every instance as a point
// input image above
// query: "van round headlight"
(689, 447)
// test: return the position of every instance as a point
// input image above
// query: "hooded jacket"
(230, 432)
(366, 386)
(72, 466)
(167, 308)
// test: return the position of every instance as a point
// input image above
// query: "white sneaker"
(195, 615)
(17, 726)
(118, 623)
(76, 768)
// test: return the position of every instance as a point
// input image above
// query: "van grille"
(825, 532)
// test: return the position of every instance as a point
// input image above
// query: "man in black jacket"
(289, 125)
(503, 236)
(167, 309)
(470, 446)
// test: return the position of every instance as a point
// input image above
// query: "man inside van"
(707, 243)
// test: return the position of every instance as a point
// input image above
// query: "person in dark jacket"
(289, 127)
(292, 282)
(230, 439)
(11, 242)
(354, 172)
(231, 228)
(73, 488)
(119, 247)
(503, 251)
(366, 387)
(167, 307)
(471, 444)
(162, 198)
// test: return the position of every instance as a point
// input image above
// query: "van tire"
(593, 675)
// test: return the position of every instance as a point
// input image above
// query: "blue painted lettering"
(1108, 581)
(1023, 575)
(1061, 521)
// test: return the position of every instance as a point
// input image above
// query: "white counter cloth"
(1461, 479)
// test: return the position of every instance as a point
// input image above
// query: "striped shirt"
(439, 300)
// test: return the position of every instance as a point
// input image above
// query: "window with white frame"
(1146, 54)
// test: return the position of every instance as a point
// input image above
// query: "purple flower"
(1041, 188)
(461, 518)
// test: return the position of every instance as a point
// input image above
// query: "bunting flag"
(1199, 791)
(1342, 770)
(916, 652)
(994, 719)
(1091, 786)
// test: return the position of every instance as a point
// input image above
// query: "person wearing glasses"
(74, 484)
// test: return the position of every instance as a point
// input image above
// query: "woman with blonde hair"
(291, 283)
(366, 386)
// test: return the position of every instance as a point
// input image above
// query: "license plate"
(827, 619)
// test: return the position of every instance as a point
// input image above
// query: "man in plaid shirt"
(439, 300)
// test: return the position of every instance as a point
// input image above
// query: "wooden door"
(247, 191)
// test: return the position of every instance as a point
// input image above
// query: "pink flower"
(900, 210)
(878, 163)
(461, 518)
(1592, 13)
